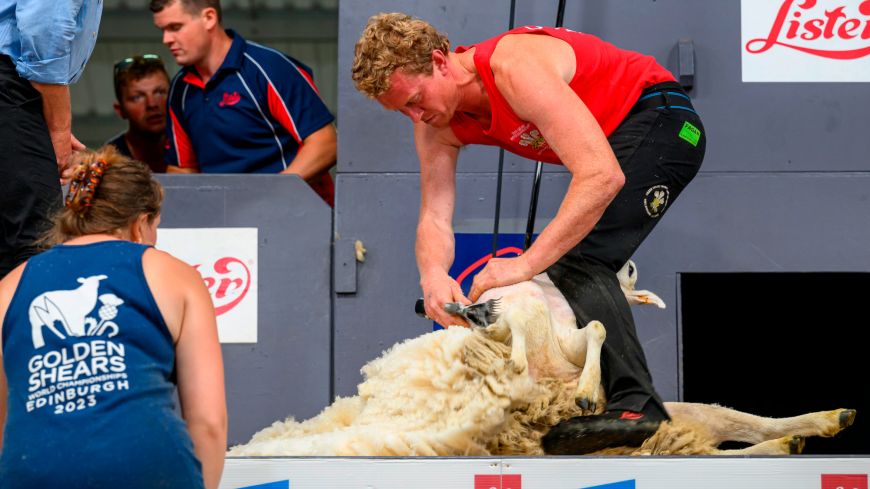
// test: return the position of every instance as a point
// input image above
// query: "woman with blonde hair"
(97, 333)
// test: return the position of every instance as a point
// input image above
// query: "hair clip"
(84, 185)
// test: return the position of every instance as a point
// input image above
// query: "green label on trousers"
(690, 133)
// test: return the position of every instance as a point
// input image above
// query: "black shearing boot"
(586, 434)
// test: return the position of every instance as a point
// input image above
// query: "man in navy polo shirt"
(240, 107)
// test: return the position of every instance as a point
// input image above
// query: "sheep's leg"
(786, 445)
(510, 325)
(518, 350)
(499, 331)
(644, 297)
(528, 319)
(583, 347)
(727, 424)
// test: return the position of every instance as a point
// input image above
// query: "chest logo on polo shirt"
(230, 99)
(655, 200)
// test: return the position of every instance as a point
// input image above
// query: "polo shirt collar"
(232, 61)
(236, 54)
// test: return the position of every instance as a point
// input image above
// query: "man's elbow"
(616, 181)
(324, 143)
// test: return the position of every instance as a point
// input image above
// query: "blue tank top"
(90, 366)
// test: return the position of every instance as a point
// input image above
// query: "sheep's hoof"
(796, 445)
(517, 367)
(847, 417)
(585, 404)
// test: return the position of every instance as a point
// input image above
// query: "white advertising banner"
(805, 40)
(227, 260)
(710, 472)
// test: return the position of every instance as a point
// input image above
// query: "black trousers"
(29, 181)
(659, 155)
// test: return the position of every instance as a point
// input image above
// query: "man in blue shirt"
(240, 107)
(44, 46)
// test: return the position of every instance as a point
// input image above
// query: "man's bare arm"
(537, 89)
(316, 155)
(58, 118)
(438, 151)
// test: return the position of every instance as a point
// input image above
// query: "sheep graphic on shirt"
(70, 308)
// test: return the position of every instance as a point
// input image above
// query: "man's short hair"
(135, 68)
(191, 6)
(390, 42)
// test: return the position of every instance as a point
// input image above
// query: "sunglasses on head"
(128, 62)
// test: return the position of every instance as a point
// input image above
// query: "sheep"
(552, 345)
(498, 390)
(69, 307)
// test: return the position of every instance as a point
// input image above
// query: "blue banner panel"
(474, 250)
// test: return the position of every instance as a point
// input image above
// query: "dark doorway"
(780, 344)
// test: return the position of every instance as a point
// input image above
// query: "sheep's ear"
(80, 280)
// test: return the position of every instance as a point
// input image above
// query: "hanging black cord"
(539, 166)
(500, 164)
(560, 13)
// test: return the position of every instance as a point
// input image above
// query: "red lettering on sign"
(802, 23)
(233, 280)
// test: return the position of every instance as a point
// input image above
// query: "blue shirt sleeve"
(56, 38)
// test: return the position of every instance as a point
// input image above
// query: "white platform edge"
(793, 472)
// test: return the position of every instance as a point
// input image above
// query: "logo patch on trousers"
(655, 200)
(690, 133)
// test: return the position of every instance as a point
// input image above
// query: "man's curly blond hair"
(393, 41)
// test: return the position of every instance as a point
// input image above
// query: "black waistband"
(7, 68)
(663, 95)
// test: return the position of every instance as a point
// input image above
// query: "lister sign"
(227, 260)
(805, 40)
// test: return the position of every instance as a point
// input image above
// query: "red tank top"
(608, 80)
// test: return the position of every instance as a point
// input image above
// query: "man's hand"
(64, 161)
(64, 144)
(500, 272)
(438, 291)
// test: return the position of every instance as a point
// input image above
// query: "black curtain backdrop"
(780, 344)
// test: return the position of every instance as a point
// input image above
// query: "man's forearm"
(316, 155)
(55, 107)
(434, 249)
(584, 204)
(179, 170)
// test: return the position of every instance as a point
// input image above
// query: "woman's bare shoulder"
(162, 264)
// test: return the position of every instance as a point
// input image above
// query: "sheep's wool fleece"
(449, 392)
